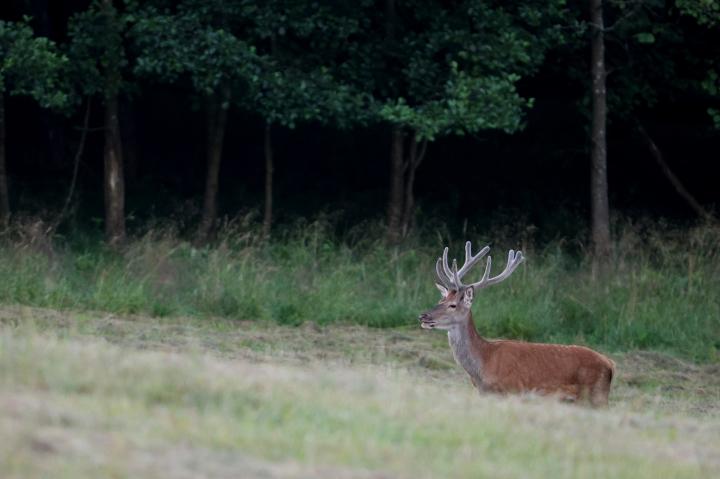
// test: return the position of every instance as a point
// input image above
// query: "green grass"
(662, 293)
(97, 395)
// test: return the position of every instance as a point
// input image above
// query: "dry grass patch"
(89, 395)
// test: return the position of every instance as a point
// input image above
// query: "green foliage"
(469, 104)
(31, 66)
(96, 51)
(453, 68)
(287, 96)
(258, 50)
(706, 12)
(176, 46)
(304, 50)
(645, 37)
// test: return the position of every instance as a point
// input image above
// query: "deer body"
(570, 373)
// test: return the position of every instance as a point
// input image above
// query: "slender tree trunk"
(4, 194)
(217, 120)
(76, 167)
(395, 200)
(269, 169)
(600, 210)
(412, 163)
(114, 175)
(674, 180)
(397, 157)
(114, 182)
(409, 201)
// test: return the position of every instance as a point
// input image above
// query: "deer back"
(514, 366)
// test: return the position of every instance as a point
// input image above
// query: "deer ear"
(468, 296)
(443, 290)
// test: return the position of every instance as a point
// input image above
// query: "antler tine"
(446, 266)
(456, 277)
(514, 260)
(444, 280)
(488, 266)
(471, 260)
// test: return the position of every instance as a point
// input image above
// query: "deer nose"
(424, 317)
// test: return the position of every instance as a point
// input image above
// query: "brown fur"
(570, 373)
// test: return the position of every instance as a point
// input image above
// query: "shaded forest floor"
(88, 394)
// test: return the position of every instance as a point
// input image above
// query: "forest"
(291, 109)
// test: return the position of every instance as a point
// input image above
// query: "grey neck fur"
(461, 339)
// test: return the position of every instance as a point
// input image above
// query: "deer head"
(456, 302)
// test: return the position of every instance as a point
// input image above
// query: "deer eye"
(453, 306)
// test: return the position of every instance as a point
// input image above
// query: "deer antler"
(452, 278)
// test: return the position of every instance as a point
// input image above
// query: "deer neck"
(467, 347)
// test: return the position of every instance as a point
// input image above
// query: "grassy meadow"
(100, 395)
(301, 357)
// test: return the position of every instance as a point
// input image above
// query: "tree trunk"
(395, 200)
(600, 210)
(412, 164)
(269, 168)
(4, 194)
(113, 178)
(217, 120)
(674, 180)
(76, 167)
(114, 182)
(397, 156)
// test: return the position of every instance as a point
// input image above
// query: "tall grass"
(663, 293)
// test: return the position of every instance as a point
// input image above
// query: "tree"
(302, 49)
(446, 69)
(599, 204)
(30, 66)
(641, 54)
(254, 56)
(194, 45)
(652, 56)
(98, 57)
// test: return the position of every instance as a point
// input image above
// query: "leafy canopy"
(275, 57)
(96, 49)
(454, 67)
(31, 66)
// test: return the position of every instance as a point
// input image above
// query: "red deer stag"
(503, 366)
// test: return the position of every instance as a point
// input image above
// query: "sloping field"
(91, 395)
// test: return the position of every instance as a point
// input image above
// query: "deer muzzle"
(426, 321)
